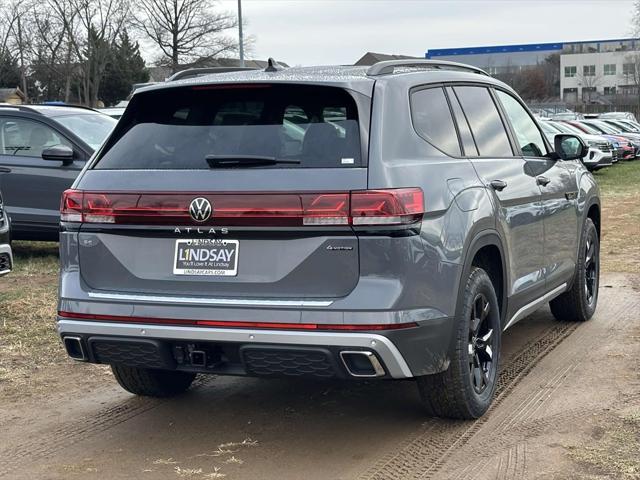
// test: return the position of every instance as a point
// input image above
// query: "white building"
(588, 69)
(586, 76)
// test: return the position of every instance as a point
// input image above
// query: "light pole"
(240, 33)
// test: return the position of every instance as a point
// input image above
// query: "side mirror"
(58, 153)
(570, 147)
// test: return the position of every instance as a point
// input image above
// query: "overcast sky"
(310, 32)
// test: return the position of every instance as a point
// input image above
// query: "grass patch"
(29, 296)
(623, 178)
(620, 190)
(35, 258)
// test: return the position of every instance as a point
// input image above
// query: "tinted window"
(92, 128)
(432, 119)
(27, 138)
(527, 133)
(484, 119)
(468, 144)
(178, 128)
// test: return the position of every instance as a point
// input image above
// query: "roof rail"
(30, 107)
(198, 72)
(387, 67)
(23, 108)
(61, 104)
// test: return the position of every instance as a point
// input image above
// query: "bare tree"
(186, 30)
(92, 26)
(590, 83)
(631, 75)
(53, 58)
(20, 37)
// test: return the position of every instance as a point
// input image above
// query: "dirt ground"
(568, 405)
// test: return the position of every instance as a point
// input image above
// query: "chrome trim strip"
(241, 302)
(533, 306)
(388, 352)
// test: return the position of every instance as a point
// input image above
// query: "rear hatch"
(226, 190)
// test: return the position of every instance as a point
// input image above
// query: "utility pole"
(240, 33)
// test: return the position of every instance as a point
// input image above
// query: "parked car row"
(566, 114)
(609, 140)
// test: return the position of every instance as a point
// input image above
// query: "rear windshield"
(293, 125)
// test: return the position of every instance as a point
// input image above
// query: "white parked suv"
(601, 151)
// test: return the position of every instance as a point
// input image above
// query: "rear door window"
(432, 119)
(297, 125)
(485, 122)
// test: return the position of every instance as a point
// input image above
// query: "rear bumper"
(402, 353)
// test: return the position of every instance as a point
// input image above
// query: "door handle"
(498, 185)
(542, 180)
(5, 170)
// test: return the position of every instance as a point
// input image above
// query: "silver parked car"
(332, 222)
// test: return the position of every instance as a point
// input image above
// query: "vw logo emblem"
(200, 209)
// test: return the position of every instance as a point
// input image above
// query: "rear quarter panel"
(457, 204)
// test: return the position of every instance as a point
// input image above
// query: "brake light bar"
(399, 206)
(236, 324)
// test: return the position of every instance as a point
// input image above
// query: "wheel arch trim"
(481, 239)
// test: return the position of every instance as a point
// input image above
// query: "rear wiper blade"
(235, 161)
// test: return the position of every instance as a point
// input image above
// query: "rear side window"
(468, 144)
(295, 125)
(485, 122)
(432, 119)
(527, 133)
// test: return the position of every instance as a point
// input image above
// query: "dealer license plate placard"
(204, 256)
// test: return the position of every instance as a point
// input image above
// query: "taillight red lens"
(367, 207)
(325, 209)
(71, 206)
(396, 206)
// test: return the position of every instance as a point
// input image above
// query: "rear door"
(513, 182)
(557, 181)
(238, 191)
(32, 188)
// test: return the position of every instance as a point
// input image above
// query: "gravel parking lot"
(568, 403)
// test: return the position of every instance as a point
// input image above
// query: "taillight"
(71, 206)
(396, 206)
(400, 206)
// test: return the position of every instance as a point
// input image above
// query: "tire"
(152, 383)
(456, 392)
(579, 304)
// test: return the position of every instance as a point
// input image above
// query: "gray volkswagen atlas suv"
(388, 222)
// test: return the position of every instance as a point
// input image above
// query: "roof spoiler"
(387, 67)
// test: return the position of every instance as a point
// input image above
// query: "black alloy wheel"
(481, 345)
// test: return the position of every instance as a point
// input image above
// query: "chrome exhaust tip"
(74, 348)
(362, 364)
